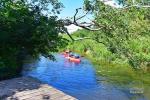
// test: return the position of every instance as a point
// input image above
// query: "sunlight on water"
(80, 80)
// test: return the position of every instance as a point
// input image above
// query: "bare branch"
(139, 6)
(92, 26)
(87, 28)
(66, 31)
(77, 10)
(82, 38)
(84, 25)
(82, 16)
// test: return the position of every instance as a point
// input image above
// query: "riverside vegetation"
(108, 64)
(120, 49)
(25, 30)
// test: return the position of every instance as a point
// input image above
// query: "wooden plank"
(56, 96)
(53, 96)
(30, 96)
(39, 96)
(43, 92)
(66, 97)
(32, 93)
(29, 92)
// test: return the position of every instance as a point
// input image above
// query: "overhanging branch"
(82, 38)
(91, 26)
(139, 6)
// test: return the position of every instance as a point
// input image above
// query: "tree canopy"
(25, 30)
(126, 32)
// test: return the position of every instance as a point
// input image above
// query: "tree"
(119, 29)
(125, 29)
(25, 30)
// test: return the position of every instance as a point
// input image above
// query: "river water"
(78, 80)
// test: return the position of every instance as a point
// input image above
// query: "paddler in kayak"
(75, 58)
(66, 53)
(70, 55)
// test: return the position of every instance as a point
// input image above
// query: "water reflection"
(78, 80)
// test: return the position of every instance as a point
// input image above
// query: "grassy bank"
(107, 64)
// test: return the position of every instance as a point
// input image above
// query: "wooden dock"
(26, 88)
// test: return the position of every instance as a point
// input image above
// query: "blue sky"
(70, 6)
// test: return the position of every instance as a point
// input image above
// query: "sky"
(69, 11)
(70, 8)
(71, 5)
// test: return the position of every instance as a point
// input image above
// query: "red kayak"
(76, 60)
(71, 58)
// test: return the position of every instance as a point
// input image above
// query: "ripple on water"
(78, 80)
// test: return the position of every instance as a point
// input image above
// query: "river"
(78, 80)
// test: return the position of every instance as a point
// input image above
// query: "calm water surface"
(78, 80)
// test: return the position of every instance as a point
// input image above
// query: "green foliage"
(94, 49)
(133, 2)
(45, 5)
(123, 44)
(126, 33)
(25, 31)
(110, 65)
(88, 5)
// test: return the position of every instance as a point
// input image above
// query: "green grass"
(117, 71)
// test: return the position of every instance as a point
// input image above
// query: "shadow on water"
(78, 80)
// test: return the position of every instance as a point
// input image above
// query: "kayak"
(76, 60)
(67, 57)
(71, 57)
(65, 54)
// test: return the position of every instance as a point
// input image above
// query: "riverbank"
(108, 64)
(9, 72)
(11, 69)
(135, 81)
(121, 73)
